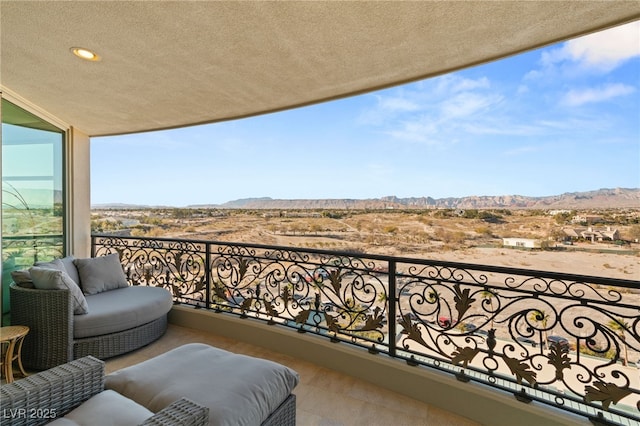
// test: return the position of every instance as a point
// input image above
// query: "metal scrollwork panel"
(336, 295)
(178, 266)
(572, 338)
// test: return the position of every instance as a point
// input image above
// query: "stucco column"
(78, 194)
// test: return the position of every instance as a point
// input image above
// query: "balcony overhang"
(171, 64)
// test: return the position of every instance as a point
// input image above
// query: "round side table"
(12, 337)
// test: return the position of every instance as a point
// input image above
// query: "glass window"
(33, 222)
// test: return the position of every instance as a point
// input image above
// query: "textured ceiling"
(170, 64)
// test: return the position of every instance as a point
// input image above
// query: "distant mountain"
(124, 206)
(601, 198)
(35, 198)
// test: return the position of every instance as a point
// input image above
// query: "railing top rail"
(607, 281)
(31, 236)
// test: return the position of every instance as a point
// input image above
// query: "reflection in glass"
(32, 192)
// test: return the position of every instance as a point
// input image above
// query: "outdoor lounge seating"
(237, 389)
(73, 393)
(194, 384)
(107, 318)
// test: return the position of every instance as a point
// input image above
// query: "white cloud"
(598, 94)
(501, 125)
(419, 129)
(397, 104)
(533, 75)
(467, 104)
(450, 83)
(387, 107)
(404, 111)
(523, 150)
(602, 51)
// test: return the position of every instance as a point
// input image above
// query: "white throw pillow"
(100, 274)
(54, 279)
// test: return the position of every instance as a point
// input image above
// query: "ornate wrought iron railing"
(565, 340)
(32, 248)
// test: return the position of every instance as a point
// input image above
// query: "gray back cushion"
(100, 274)
(71, 269)
(53, 264)
(65, 264)
(54, 279)
(22, 278)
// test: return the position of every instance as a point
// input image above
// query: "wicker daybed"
(115, 321)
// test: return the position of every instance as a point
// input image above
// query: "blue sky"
(561, 119)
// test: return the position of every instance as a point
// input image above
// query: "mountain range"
(597, 199)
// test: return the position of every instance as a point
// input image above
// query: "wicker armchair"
(50, 342)
(42, 397)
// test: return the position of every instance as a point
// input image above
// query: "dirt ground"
(425, 235)
(584, 263)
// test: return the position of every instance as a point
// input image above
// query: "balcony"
(486, 342)
(324, 396)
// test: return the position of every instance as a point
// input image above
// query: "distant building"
(608, 234)
(521, 242)
(586, 218)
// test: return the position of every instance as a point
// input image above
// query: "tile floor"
(324, 397)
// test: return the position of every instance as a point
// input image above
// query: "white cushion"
(108, 408)
(100, 274)
(54, 279)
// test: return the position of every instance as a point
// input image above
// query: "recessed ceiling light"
(85, 54)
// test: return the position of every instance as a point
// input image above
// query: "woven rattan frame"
(49, 316)
(50, 342)
(114, 344)
(42, 397)
(183, 412)
(284, 415)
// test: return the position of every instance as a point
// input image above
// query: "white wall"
(521, 242)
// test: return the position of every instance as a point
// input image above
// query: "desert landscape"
(475, 236)
(468, 236)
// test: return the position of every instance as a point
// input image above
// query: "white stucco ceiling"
(171, 64)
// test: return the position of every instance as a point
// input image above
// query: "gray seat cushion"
(106, 408)
(121, 309)
(237, 389)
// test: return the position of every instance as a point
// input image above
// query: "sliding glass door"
(33, 195)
